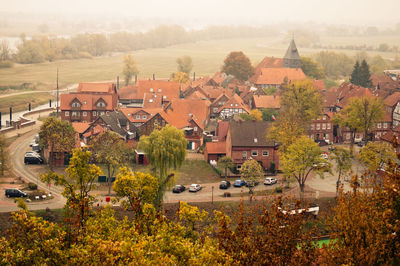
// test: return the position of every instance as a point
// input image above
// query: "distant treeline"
(383, 47)
(47, 48)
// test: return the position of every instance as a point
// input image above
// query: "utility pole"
(57, 93)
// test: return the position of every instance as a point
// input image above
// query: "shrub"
(6, 64)
(278, 190)
(32, 186)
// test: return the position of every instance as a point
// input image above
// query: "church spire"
(292, 57)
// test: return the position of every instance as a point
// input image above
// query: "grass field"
(207, 58)
(20, 102)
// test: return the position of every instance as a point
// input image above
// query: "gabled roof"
(267, 101)
(130, 113)
(393, 99)
(97, 87)
(277, 76)
(267, 62)
(216, 147)
(116, 121)
(162, 88)
(87, 100)
(319, 84)
(80, 127)
(180, 112)
(222, 130)
(346, 91)
(235, 102)
(250, 134)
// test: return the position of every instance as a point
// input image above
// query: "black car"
(224, 185)
(178, 189)
(31, 158)
(15, 193)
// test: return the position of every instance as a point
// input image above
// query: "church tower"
(292, 57)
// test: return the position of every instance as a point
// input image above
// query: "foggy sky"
(358, 12)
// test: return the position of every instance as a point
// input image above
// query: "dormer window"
(137, 116)
(76, 104)
(84, 102)
(150, 100)
(159, 90)
(151, 89)
(144, 117)
(101, 104)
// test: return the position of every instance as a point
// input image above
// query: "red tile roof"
(88, 101)
(346, 91)
(393, 99)
(222, 130)
(180, 111)
(80, 127)
(319, 84)
(130, 113)
(267, 62)
(216, 147)
(96, 87)
(267, 101)
(276, 76)
(163, 88)
(235, 102)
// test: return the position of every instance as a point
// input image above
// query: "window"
(385, 125)
(238, 167)
(75, 104)
(324, 118)
(347, 135)
(235, 104)
(195, 129)
(164, 97)
(144, 116)
(265, 153)
(101, 113)
(137, 116)
(327, 136)
(150, 100)
(323, 126)
(215, 109)
(379, 125)
(94, 113)
(318, 126)
(312, 126)
(244, 154)
(76, 114)
(101, 104)
(328, 126)
(66, 113)
(231, 104)
(159, 90)
(254, 153)
(84, 102)
(84, 113)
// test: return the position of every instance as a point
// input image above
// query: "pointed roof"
(292, 52)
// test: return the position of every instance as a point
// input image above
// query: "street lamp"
(212, 195)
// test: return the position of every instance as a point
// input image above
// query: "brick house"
(248, 139)
(266, 102)
(214, 150)
(89, 102)
(322, 128)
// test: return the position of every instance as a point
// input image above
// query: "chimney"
(10, 114)
(154, 76)
(135, 79)
(194, 76)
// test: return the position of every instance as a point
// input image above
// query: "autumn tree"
(254, 115)
(302, 158)
(342, 159)
(238, 65)
(138, 188)
(77, 183)
(269, 114)
(311, 68)
(129, 69)
(251, 171)
(300, 104)
(165, 149)
(377, 155)
(185, 64)
(57, 136)
(225, 163)
(111, 151)
(180, 77)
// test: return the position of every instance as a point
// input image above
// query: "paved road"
(17, 150)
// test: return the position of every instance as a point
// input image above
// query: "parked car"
(331, 148)
(32, 158)
(32, 153)
(270, 181)
(239, 183)
(36, 147)
(224, 185)
(361, 143)
(324, 156)
(15, 193)
(194, 187)
(252, 183)
(178, 189)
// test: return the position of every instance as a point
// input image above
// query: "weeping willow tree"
(165, 149)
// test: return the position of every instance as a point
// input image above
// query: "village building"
(242, 145)
(234, 105)
(89, 102)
